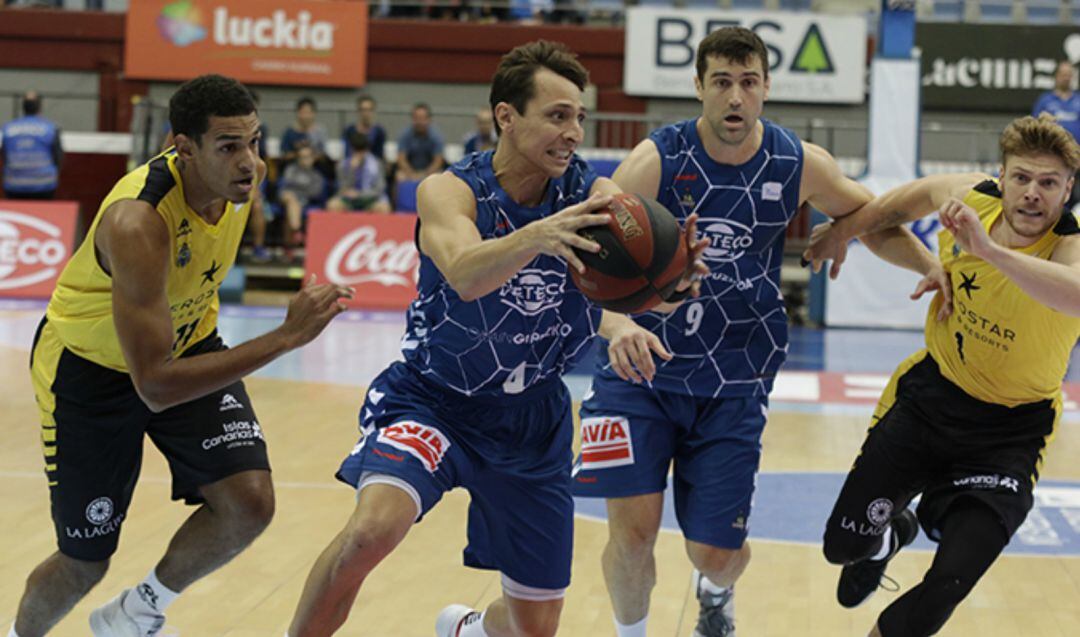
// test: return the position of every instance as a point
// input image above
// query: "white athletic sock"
(886, 544)
(12, 633)
(711, 587)
(474, 628)
(636, 629)
(149, 597)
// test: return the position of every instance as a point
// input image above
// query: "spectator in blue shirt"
(484, 137)
(1064, 104)
(420, 147)
(31, 153)
(305, 131)
(365, 123)
(361, 184)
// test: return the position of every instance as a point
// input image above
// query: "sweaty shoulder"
(641, 170)
(130, 224)
(444, 192)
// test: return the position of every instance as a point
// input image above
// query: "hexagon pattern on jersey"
(732, 339)
(528, 331)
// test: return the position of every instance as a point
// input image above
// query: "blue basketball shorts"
(513, 454)
(631, 434)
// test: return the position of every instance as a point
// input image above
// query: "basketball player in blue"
(705, 408)
(478, 401)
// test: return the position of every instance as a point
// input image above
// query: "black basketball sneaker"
(859, 580)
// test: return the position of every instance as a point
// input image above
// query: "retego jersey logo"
(30, 250)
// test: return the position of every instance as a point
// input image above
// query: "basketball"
(642, 256)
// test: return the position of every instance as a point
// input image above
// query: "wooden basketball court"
(787, 591)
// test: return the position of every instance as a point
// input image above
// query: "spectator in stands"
(361, 184)
(31, 153)
(302, 187)
(420, 147)
(365, 123)
(305, 131)
(1064, 104)
(484, 137)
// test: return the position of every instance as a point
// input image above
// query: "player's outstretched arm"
(641, 171)
(475, 267)
(829, 190)
(1054, 282)
(132, 242)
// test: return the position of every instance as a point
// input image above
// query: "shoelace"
(712, 618)
(893, 587)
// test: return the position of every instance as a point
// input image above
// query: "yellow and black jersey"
(999, 345)
(200, 255)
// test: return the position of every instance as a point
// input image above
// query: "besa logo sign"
(30, 250)
(359, 257)
(275, 32)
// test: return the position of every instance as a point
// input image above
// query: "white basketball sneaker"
(111, 621)
(453, 618)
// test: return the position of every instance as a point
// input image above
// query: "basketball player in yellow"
(965, 421)
(129, 347)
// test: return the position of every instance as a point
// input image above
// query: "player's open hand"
(631, 348)
(558, 235)
(962, 221)
(938, 280)
(695, 265)
(311, 310)
(826, 244)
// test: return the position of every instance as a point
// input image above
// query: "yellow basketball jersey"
(1000, 345)
(200, 255)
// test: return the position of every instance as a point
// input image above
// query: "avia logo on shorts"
(533, 291)
(992, 481)
(30, 250)
(728, 240)
(605, 442)
(360, 257)
(426, 444)
(228, 401)
(238, 433)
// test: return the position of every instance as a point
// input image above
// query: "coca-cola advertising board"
(36, 241)
(375, 254)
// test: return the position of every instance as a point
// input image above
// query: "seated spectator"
(301, 188)
(361, 184)
(305, 131)
(365, 123)
(420, 147)
(484, 137)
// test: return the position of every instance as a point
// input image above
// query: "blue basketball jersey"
(731, 340)
(524, 334)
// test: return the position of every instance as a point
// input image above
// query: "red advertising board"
(306, 42)
(36, 241)
(375, 254)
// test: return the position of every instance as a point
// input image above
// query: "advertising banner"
(991, 67)
(812, 57)
(303, 42)
(36, 241)
(375, 254)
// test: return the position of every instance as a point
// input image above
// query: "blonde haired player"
(965, 421)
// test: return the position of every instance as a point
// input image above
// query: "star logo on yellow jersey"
(208, 274)
(968, 286)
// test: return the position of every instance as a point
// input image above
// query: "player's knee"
(718, 563)
(633, 541)
(537, 624)
(84, 574)
(371, 541)
(249, 508)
